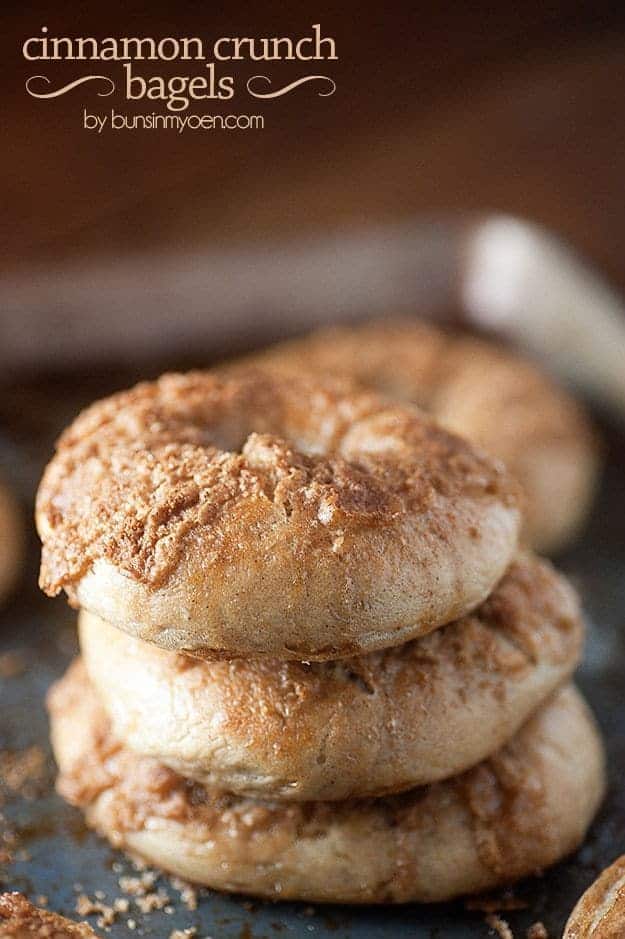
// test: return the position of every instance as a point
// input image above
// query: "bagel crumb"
(153, 901)
(138, 886)
(500, 926)
(86, 907)
(537, 931)
(188, 893)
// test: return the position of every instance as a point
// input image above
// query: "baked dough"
(266, 514)
(482, 391)
(524, 808)
(380, 723)
(600, 911)
(20, 919)
(11, 542)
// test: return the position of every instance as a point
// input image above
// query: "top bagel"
(479, 390)
(269, 514)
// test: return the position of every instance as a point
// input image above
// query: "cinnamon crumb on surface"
(156, 900)
(500, 926)
(188, 893)
(86, 907)
(138, 886)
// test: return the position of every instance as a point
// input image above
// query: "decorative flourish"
(74, 84)
(285, 90)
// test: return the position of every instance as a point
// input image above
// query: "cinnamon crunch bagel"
(524, 808)
(267, 514)
(380, 723)
(600, 911)
(480, 390)
(20, 919)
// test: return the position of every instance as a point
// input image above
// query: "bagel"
(264, 514)
(381, 723)
(524, 808)
(600, 911)
(483, 392)
(11, 542)
(20, 919)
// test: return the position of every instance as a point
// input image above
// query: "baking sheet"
(57, 857)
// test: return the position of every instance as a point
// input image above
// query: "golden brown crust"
(477, 389)
(375, 724)
(11, 541)
(266, 514)
(526, 807)
(20, 919)
(600, 911)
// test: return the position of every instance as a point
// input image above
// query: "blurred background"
(128, 252)
(439, 108)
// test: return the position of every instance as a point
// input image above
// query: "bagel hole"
(258, 443)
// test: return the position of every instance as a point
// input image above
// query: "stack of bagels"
(315, 663)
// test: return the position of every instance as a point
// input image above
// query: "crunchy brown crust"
(270, 514)
(366, 726)
(482, 391)
(524, 808)
(600, 911)
(20, 919)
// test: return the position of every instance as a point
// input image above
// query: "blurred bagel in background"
(480, 390)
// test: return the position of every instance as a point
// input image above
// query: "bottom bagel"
(515, 813)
